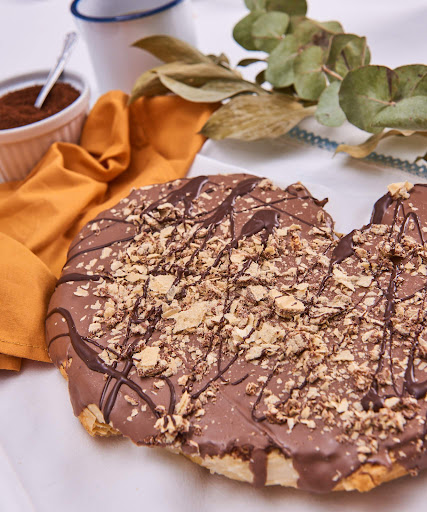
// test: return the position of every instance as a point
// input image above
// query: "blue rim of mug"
(123, 17)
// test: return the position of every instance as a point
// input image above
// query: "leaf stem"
(268, 38)
(332, 73)
(383, 102)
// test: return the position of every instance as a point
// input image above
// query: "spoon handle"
(55, 73)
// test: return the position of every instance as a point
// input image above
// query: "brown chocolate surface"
(220, 315)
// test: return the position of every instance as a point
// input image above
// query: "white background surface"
(47, 461)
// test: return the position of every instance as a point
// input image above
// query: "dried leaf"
(255, 117)
(365, 92)
(260, 78)
(268, 30)
(196, 75)
(149, 84)
(220, 59)
(421, 157)
(211, 92)
(247, 62)
(170, 49)
(309, 78)
(280, 70)
(328, 110)
(365, 148)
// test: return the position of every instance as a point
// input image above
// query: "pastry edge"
(280, 469)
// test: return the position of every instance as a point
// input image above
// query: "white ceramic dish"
(21, 148)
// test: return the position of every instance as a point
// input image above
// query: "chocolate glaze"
(343, 250)
(380, 207)
(74, 277)
(239, 209)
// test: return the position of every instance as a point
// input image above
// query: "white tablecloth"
(47, 461)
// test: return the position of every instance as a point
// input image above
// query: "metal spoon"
(55, 73)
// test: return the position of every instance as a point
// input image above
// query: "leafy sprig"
(310, 68)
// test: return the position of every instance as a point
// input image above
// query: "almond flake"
(191, 317)
(162, 283)
(287, 305)
(147, 358)
(400, 189)
(106, 251)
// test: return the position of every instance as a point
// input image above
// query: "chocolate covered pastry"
(220, 317)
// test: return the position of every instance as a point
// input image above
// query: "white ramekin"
(21, 148)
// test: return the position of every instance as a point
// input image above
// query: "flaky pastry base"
(280, 469)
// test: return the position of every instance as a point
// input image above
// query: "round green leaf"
(333, 27)
(365, 92)
(309, 78)
(255, 5)
(407, 114)
(242, 32)
(304, 31)
(280, 70)
(347, 51)
(291, 7)
(268, 30)
(309, 31)
(328, 110)
(421, 87)
(412, 80)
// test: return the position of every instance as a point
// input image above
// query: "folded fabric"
(152, 141)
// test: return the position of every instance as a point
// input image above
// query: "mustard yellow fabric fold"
(154, 140)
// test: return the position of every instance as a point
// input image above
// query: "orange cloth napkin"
(152, 141)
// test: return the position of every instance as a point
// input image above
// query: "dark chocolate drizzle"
(93, 362)
(380, 207)
(187, 194)
(73, 277)
(343, 250)
(262, 220)
(98, 247)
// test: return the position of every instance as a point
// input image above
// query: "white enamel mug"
(109, 27)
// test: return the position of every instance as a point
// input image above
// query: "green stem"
(332, 73)
(388, 103)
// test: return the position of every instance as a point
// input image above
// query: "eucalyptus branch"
(313, 68)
